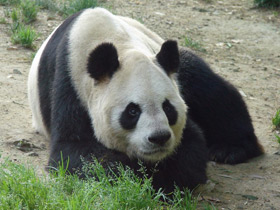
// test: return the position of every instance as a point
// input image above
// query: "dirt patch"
(242, 44)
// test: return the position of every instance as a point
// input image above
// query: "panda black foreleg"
(72, 135)
(74, 155)
(218, 108)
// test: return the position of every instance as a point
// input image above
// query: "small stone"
(242, 93)
(16, 71)
(25, 145)
(237, 41)
(12, 48)
(277, 153)
(33, 154)
(160, 14)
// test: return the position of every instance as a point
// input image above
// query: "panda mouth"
(154, 151)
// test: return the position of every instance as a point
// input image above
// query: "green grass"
(276, 124)
(9, 2)
(51, 5)
(15, 15)
(67, 7)
(24, 35)
(21, 15)
(72, 6)
(208, 1)
(190, 43)
(23, 12)
(277, 138)
(21, 188)
(276, 119)
(29, 10)
(3, 20)
(267, 3)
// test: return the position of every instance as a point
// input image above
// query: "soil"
(242, 44)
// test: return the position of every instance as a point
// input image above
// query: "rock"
(33, 154)
(250, 197)
(242, 93)
(12, 48)
(16, 71)
(160, 14)
(277, 153)
(25, 145)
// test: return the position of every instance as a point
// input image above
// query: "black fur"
(218, 108)
(214, 105)
(130, 116)
(168, 56)
(103, 61)
(170, 111)
(47, 68)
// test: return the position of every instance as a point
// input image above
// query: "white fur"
(139, 79)
(33, 91)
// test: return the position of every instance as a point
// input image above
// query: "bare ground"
(242, 45)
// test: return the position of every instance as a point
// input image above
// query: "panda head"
(134, 101)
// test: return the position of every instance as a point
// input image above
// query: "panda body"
(105, 86)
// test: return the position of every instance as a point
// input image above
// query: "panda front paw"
(229, 154)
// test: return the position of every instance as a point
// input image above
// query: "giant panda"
(104, 86)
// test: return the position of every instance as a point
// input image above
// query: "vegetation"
(24, 35)
(50, 5)
(9, 2)
(276, 123)
(72, 6)
(276, 119)
(208, 1)
(24, 12)
(189, 42)
(29, 10)
(19, 17)
(68, 7)
(21, 188)
(267, 3)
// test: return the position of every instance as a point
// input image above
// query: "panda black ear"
(103, 61)
(168, 56)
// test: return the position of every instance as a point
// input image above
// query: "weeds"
(15, 15)
(208, 1)
(72, 6)
(267, 3)
(21, 188)
(68, 7)
(29, 10)
(24, 35)
(3, 20)
(24, 12)
(9, 2)
(189, 42)
(276, 120)
(276, 124)
(50, 5)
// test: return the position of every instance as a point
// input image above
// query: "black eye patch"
(130, 116)
(170, 112)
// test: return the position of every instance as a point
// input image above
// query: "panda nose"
(160, 138)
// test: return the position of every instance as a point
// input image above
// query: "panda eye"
(130, 116)
(170, 112)
(166, 107)
(133, 111)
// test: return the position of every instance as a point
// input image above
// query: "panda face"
(143, 115)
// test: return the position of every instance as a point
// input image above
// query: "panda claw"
(227, 154)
